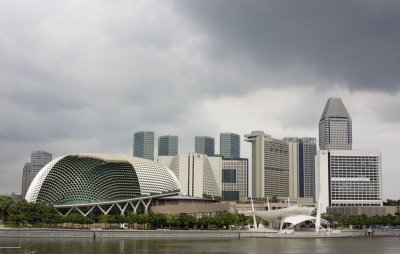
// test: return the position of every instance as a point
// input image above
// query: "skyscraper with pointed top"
(335, 127)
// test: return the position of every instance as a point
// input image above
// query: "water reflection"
(387, 245)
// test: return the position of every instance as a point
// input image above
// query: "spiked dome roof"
(93, 178)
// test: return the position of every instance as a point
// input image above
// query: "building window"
(230, 195)
(229, 175)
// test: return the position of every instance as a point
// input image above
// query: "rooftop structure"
(335, 126)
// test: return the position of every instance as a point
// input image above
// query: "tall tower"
(205, 145)
(168, 145)
(38, 160)
(229, 145)
(307, 153)
(270, 165)
(143, 145)
(335, 128)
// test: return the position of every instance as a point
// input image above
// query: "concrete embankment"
(65, 233)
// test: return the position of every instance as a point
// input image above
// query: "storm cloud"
(83, 76)
(354, 43)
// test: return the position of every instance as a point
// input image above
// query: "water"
(378, 245)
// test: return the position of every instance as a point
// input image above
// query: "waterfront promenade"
(232, 234)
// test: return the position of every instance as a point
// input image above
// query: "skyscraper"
(229, 145)
(38, 160)
(270, 165)
(335, 127)
(205, 145)
(302, 153)
(143, 145)
(168, 145)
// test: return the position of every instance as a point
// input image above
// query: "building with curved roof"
(101, 181)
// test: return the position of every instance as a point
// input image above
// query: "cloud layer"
(83, 76)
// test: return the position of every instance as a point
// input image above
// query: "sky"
(83, 76)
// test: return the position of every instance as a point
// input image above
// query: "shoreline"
(188, 234)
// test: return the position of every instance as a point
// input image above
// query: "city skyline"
(193, 68)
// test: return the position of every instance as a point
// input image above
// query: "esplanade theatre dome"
(100, 178)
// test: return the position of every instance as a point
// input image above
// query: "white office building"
(348, 178)
(198, 174)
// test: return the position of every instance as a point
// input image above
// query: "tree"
(5, 203)
(157, 220)
(140, 218)
(172, 220)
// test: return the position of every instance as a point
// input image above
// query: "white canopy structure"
(298, 219)
(272, 215)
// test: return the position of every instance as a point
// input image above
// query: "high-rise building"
(294, 168)
(198, 174)
(26, 182)
(234, 179)
(205, 145)
(348, 178)
(307, 152)
(335, 127)
(302, 153)
(270, 165)
(38, 160)
(229, 145)
(168, 145)
(143, 145)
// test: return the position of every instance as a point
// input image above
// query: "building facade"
(294, 167)
(302, 153)
(204, 145)
(234, 179)
(198, 174)
(335, 126)
(349, 178)
(143, 145)
(270, 165)
(307, 153)
(38, 160)
(229, 145)
(168, 145)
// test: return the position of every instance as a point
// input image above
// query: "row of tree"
(182, 221)
(392, 202)
(361, 220)
(43, 215)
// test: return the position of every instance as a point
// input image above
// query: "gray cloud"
(78, 76)
(356, 43)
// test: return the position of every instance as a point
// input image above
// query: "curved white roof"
(284, 212)
(297, 219)
(95, 177)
